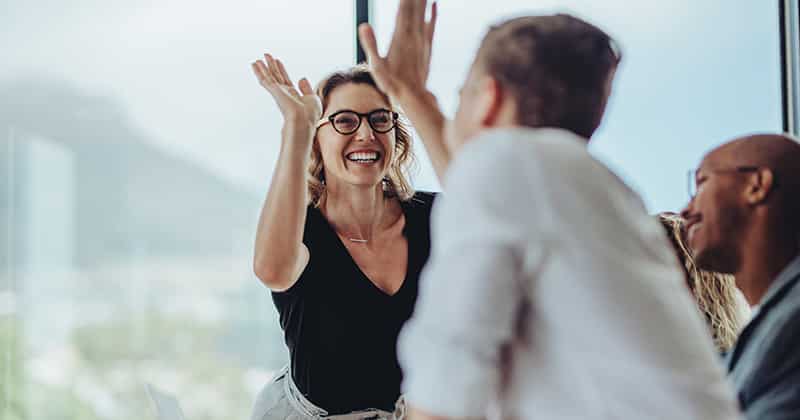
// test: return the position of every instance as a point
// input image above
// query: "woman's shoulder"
(316, 225)
(422, 199)
(418, 207)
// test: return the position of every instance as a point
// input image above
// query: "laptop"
(167, 406)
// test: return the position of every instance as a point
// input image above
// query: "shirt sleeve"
(471, 290)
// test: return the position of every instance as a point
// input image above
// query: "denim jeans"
(281, 400)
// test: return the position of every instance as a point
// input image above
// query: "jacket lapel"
(773, 297)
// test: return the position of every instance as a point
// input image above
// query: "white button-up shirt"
(552, 294)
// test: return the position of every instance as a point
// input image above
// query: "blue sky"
(694, 75)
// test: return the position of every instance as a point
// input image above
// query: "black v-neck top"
(340, 328)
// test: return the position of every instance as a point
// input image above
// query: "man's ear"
(490, 100)
(760, 185)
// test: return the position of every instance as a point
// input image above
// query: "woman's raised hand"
(302, 106)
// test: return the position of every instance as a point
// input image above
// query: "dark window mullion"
(362, 15)
(790, 59)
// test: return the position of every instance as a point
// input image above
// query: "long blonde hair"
(397, 181)
(716, 294)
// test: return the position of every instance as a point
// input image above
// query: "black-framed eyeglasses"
(348, 122)
(692, 181)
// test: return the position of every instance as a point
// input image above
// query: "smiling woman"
(336, 93)
(341, 242)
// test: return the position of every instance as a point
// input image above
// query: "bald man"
(745, 220)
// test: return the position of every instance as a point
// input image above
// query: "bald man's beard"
(722, 252)
(721, 259)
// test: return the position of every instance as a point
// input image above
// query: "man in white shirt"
(550, 293)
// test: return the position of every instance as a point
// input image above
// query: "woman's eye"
(345, 120)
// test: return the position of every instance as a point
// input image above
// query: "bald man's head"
(750, 181)
(776, 151)
(781, 155)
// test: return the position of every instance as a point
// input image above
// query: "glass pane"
(137, 147)
(694, 74)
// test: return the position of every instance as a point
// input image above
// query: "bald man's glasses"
(694, 176)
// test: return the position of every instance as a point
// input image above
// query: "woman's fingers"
(305, 87)
(284, 75)
(261, 72)
(256, 71)
(272, 75)
(273, 68)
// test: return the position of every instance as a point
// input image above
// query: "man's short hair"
(557, 68)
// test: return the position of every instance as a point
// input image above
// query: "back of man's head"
(557, 68)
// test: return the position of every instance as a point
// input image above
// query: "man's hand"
(402, 74)
(404, 69)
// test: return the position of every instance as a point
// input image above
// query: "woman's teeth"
(363, 156)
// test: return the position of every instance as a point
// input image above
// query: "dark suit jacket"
(764, 364)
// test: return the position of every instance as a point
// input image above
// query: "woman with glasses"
(341, 241)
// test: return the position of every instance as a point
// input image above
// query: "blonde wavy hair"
(397, 181)
(715, 293)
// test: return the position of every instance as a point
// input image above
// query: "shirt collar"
(524, 131)
(787, 274)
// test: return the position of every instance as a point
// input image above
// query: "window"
(693, 76)
(137, 149)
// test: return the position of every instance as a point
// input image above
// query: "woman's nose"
(365, 132)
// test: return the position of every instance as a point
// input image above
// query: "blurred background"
(137, 147)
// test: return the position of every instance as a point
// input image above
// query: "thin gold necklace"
(351, 239)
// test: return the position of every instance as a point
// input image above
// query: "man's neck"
(763, 258)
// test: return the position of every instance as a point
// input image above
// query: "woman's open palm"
(303, 104)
